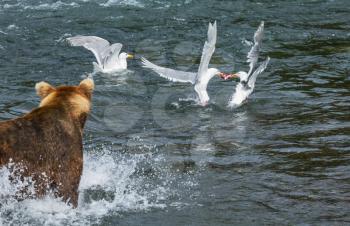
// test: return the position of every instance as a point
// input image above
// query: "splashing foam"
(112, 183)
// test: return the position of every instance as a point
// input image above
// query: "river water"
(154, 157)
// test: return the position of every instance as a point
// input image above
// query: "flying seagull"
(199, 79)
(247, 80)
(109, 59)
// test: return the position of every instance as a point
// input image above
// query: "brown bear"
(47, 141)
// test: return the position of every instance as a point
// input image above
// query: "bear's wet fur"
(47, 141)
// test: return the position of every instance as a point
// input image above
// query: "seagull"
(247, 80)
(108, 58)
(199, 79)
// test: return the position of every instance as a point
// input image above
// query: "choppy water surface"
(153, 157)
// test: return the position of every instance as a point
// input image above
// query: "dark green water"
(154, 158)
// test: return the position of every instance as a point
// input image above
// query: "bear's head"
(74, 99)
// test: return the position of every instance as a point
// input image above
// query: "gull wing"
(95, 44)
(259, 70)
(208, 50)
(170, 74)
(253, 54)
(111, 54)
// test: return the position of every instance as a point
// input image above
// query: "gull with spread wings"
(109, 59)
(247, 80)
(199, 79)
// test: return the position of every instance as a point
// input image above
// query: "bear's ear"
(43, 89)
(87, 86)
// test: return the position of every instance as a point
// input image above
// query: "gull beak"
(130, 56)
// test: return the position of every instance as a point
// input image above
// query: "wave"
(64, 4)
(54, 6)
(48, 5)
(41, 6)
(123, 2)
(57, 5)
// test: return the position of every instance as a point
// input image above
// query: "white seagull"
(247, 80)
(200, 79)
(108, 58)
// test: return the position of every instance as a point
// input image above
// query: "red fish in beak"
(228, 76)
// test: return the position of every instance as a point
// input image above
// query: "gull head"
(125, 56)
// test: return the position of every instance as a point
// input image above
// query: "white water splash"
(112, 183)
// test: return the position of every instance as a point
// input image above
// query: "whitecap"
(9, 6)
(44, 6)
(12, 27)
(52, 6)
(179, 19)
(123, 3)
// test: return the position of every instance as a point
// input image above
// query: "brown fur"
(49, 139)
